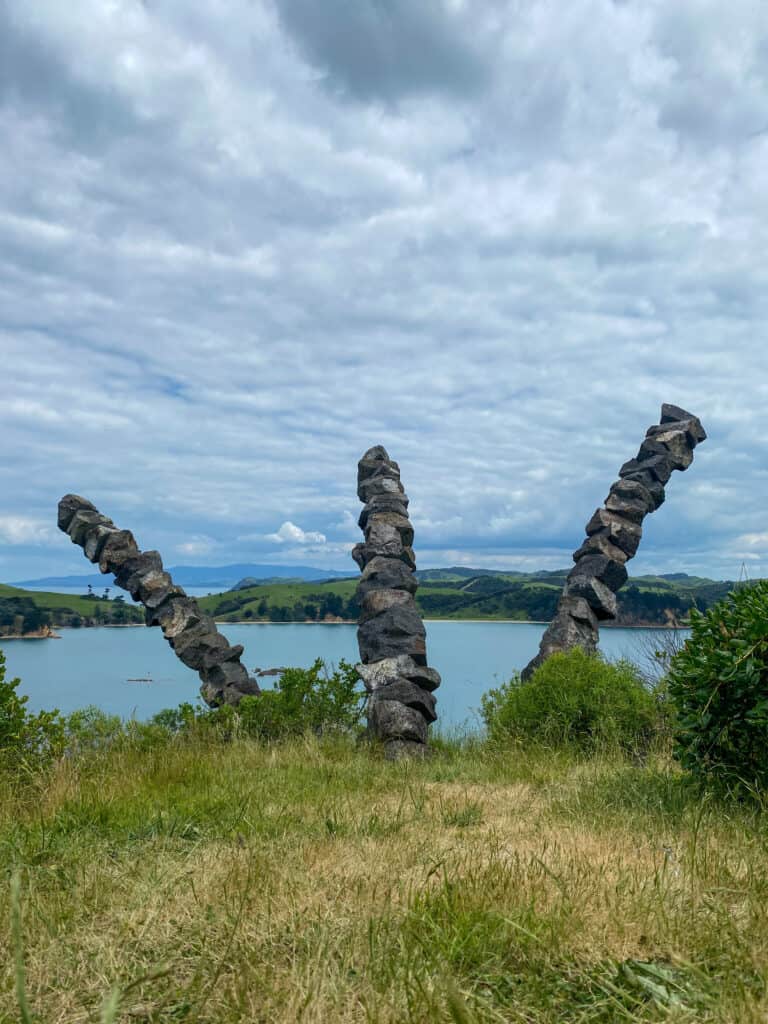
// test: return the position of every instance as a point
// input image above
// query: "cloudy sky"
(243, 240)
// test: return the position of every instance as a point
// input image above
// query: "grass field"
(311, 881)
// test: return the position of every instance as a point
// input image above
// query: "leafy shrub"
(303, 700)
(25, 738)
(576, 699)
(718, 684)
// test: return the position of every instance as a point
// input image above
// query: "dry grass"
(314, 882)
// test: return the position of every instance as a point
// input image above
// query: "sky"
(241, 241)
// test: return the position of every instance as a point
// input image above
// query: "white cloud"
(223, 278)
(22, 530)
(289, 533)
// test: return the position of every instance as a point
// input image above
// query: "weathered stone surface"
(379, 486)
(191, 633)
(133, 569)
(387, 670)
(383, 503)
(70, 504)
(117, 549)
(411, 695)
(386, 573)
(386, 527)
(391, 635)
(694, 429)
(621, 532)
(614, 532)
(377, 601)
(95, 539)
(391, 720)
(398, 630)
(600, 598)
(606, 570)
(82, 521)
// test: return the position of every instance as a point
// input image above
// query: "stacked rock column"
(191, 633)
(391, 634)
(614, 532)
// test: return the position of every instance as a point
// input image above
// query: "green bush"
(25, 738)
(718, 684)
(577, 700)
(303, 700)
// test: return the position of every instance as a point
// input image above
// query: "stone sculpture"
(391, 634)
(190, 632)
(614, 532)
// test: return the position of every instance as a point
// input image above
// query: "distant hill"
(220, 577)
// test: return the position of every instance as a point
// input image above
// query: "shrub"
(25, 738)
(718, 684)
(305, 700)
(575, 699)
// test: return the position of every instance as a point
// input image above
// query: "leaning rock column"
(391, 634)
(614, 532)
(191, 633)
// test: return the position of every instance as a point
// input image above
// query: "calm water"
(94, 666)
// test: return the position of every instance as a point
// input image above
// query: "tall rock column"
(614, 532)
(391, 634)
(191, 633)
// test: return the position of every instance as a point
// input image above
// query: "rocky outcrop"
(190, 632)
(390, 634)
(614, 532)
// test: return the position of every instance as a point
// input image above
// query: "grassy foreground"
(311, 881)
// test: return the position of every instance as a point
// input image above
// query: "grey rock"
(388, 670)
(614, 532)
(398, 630)
(402, 750)
(600, 598)
(82, 521)
(389, 527)
(95, 539)
(379, 486)
(377, 601)
(408, 693)
(386, 573)
(117, 549)
(68, 506)
(391, 720)
(612, 574)
(383, 503)
(191, 633)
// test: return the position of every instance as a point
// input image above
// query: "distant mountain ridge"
(223, 576)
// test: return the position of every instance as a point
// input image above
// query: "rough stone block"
(411, 695)
(83, 521)
(386, 573)
(384, 526)
(383, 503)
(398, 630)
(619, 531)
(600, 544)
(391, 720)
(598, 596)
(379, 486)
(612, 574)
(377, 601)
(68, 506)
(133, 569)
(118, 548)
(95, 539)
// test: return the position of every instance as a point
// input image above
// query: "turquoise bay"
(95, 666)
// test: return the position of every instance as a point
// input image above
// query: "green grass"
(312, 881)
(54, 602)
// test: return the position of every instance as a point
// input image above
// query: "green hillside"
(443, 594)
(28, 611)
(456, 594)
